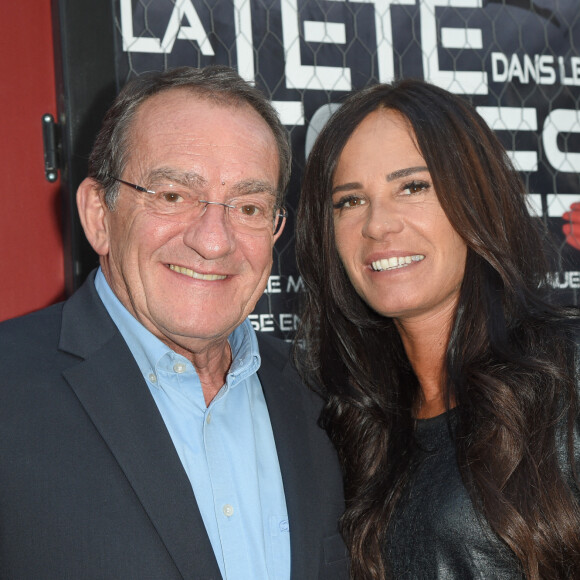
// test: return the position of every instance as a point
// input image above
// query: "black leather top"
(436, 533)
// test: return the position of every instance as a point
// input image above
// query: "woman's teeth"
(395, 262)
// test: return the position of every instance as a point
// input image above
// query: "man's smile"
(196, 275)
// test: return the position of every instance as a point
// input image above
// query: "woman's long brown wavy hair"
(510, 362)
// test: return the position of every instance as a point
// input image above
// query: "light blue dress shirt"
(227, 448)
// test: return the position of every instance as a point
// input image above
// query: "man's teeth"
(195, 275)
(395, 262)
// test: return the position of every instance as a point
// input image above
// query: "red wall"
(31, 263)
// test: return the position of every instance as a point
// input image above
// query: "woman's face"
(401, 254)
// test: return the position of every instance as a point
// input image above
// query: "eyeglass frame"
(282, 212)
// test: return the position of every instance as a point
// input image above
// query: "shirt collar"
(148, 350)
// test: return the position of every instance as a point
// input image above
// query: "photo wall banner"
(517, 61)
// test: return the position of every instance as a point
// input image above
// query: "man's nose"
(211, 234)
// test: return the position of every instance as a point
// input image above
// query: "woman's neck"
(426, 343)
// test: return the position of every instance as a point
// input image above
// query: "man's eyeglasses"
(254, 213)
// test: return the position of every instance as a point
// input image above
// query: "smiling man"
(147, 430)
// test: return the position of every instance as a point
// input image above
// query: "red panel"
(31, 265)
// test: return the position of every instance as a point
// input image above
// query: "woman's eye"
(349, 202)
(415, 187)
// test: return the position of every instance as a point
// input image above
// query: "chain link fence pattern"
(517, 61)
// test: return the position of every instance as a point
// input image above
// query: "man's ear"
(279, 232)
(93, 213)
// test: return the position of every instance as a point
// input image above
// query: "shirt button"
(208, 418)
(179, 367)
(228, 510)
(152, 377)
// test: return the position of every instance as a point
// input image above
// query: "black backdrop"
(516, 60)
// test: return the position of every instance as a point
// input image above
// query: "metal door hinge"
(51, 140)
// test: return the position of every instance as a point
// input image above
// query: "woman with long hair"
(449, 376)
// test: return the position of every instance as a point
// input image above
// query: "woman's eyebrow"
(398, 174)
(405, 172)
(346, 187)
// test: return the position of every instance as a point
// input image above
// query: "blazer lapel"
(110, 387)
(292, 421)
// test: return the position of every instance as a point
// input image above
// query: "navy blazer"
(91, 486)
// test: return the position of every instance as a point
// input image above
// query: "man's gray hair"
(219, 84)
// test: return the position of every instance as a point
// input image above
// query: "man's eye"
(172, 197)
(250, 210)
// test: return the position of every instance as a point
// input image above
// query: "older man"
(146, 431)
